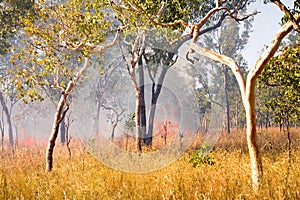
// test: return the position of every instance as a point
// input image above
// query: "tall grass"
(22, 174)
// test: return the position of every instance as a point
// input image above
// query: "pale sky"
(265, 25)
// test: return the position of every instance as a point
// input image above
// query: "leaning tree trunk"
(59, 114)
(8, 120)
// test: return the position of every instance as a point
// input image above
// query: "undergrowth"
(22, 174)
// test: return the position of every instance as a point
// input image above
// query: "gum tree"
(58, 46)
(247, 85)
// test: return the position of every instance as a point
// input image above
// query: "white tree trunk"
(247, 89)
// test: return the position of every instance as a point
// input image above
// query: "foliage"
(130, 122)
(11, 13)
(202, 156)
(55, 43)
(282, 78)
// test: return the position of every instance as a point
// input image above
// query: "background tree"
(11, 13)
(282, 79)
(228, 40)
(171, 16)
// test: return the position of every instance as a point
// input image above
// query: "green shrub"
(202, 156)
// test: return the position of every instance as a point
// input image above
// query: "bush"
(202, 156)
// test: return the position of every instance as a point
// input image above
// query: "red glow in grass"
(29, 141)
(165, 127)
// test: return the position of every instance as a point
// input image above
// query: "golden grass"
(22, 174)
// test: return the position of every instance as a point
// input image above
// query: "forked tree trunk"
(156, 90)
(248, 91)
(59, 115)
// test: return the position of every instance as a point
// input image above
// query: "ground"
(23, 176)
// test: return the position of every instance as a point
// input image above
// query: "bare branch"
(101, 49)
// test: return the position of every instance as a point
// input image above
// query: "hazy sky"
(265, 26)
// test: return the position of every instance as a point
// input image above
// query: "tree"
(60, 42)
(137, 32)
(162, 14)
(282, 78)
(247, 86)
(228, 40)
(10, 14)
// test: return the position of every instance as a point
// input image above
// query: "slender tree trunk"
(227, 111)
(96, 120)
(113, 130)
(54, 132)
(137, 111)
(8, 120)
(267, 121)
(142, 101)
(154, 98)
(138, 121)
(62, 131)
(2, 132)
(151, 125)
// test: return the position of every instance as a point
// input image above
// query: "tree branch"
(271, 49)
(224, 60)
(284, 9)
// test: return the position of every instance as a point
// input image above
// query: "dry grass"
(22, 174)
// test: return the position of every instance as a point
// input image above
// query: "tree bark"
(8, 120)
(237, 114)
(54, 132)
(227, 109)
(62, 131)
(142, 100)
(154, 98)
(138, 121)
(255, 158)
